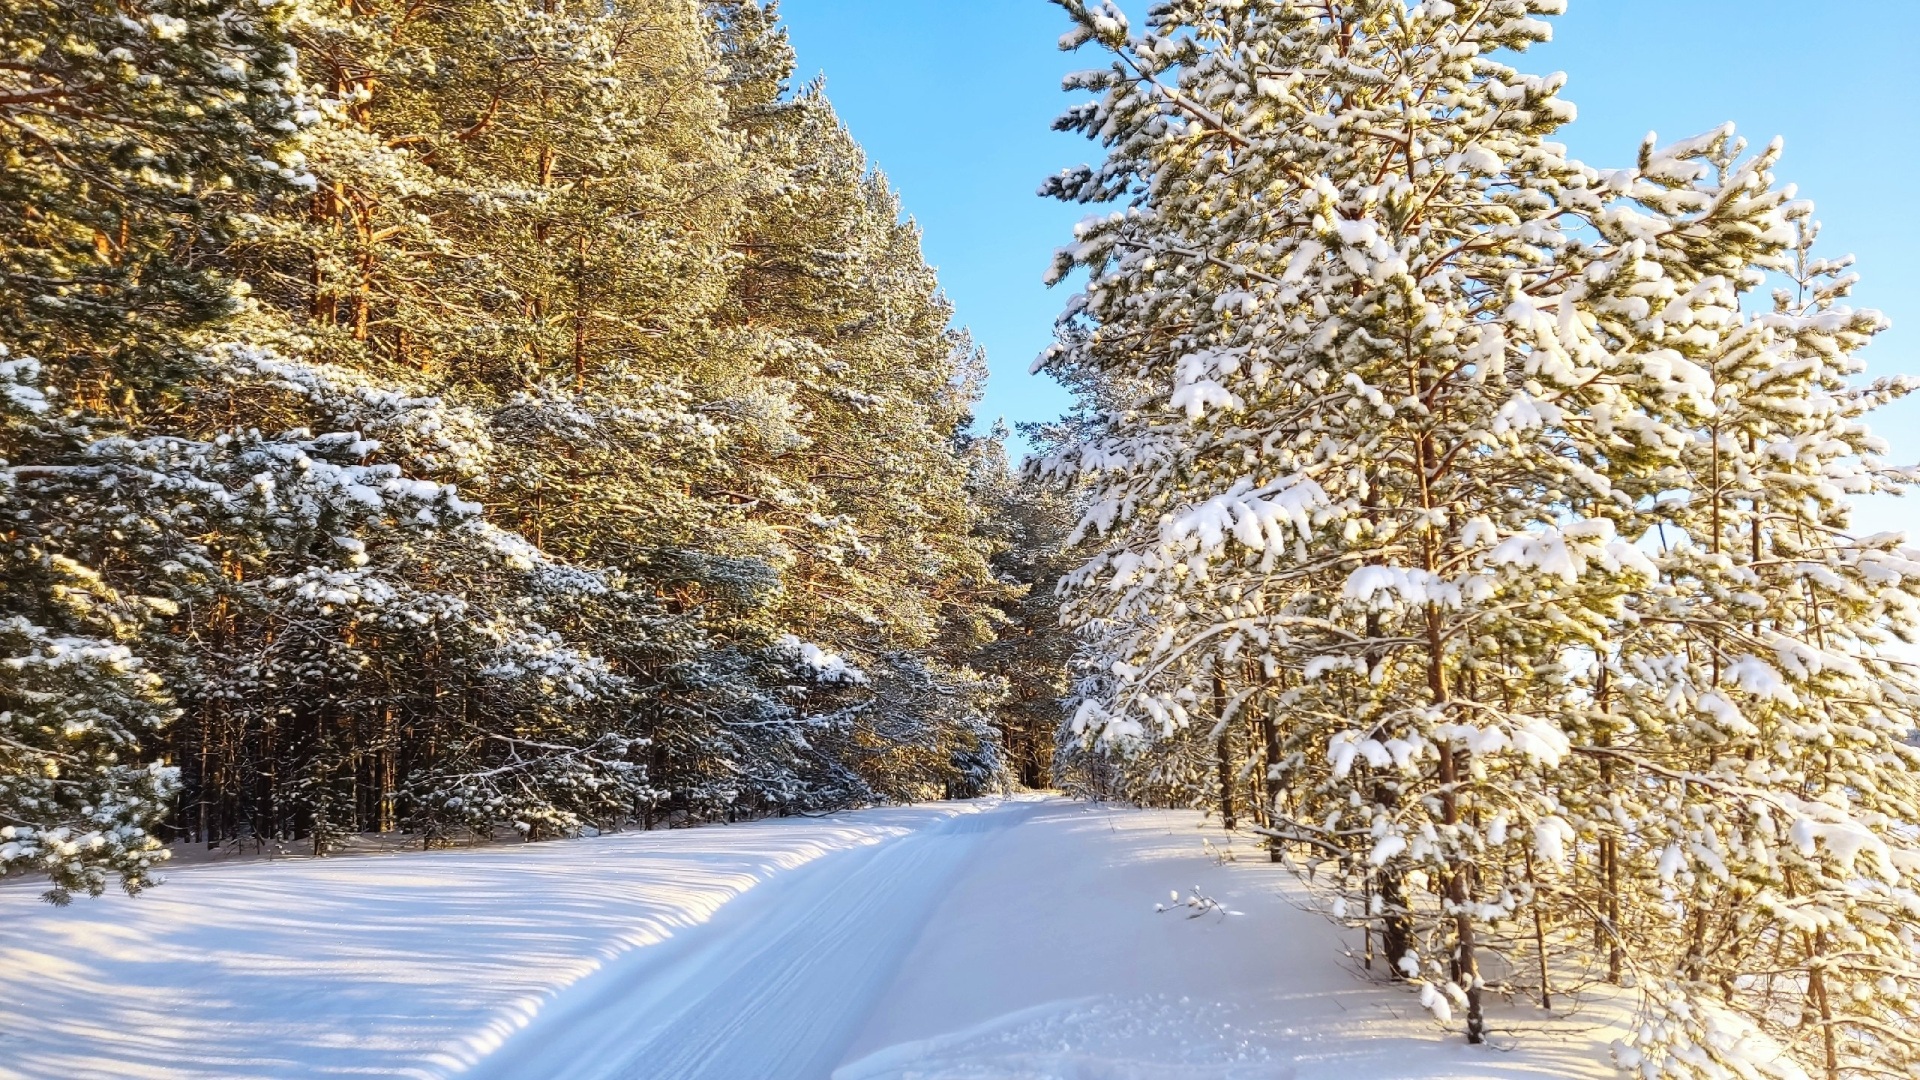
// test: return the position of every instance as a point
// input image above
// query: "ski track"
(727, 1011)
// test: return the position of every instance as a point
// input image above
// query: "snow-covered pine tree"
(1390, 390)
(856, 466)
(127, 131)
(1029, 521)
(532, 223)
(79, 796)
(1333, 210)
(1757, 784)
(306, 601)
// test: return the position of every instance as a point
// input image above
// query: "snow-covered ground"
(1000, 940)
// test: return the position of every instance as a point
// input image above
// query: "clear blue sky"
(953, 100)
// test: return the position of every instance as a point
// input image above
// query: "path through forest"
(989, 941)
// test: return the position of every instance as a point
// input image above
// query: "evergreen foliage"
(466, 418)
(1482, 518)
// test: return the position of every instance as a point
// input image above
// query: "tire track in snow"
(778, 986)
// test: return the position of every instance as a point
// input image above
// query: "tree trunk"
(1817, 989)
(1459, 872)
(1223, 751)
(580, 316)
(1539, 937)
(1396, 928)
(1610, 844)
(1270, 760)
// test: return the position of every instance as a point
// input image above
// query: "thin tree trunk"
(1609, 844)
(1223, 750)
(390, 736)
(205, 778)
(1458, 881)
(1539, 936)
(1817, 989)
(1270, 760)
(1396, 927)
(1366, 895)
(580, 316)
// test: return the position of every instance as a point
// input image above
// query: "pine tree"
(1390, 392)
(1028, 523)
(1755, 722)
(130, 130)
(858, 480)
(78, 797)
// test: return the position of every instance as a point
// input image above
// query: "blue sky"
(953, 100)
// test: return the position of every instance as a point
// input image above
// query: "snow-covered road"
(989, 940)
(779, 983)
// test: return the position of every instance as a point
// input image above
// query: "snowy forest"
(476, 418)
(1483, 517)
(456, 417)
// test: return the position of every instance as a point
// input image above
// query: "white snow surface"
(994, 940)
